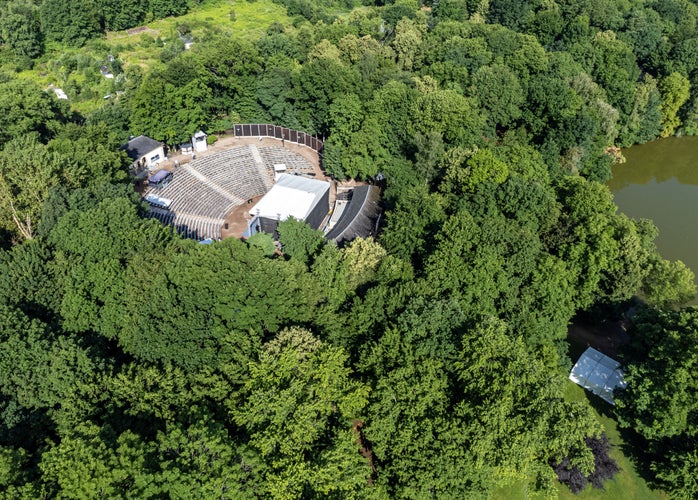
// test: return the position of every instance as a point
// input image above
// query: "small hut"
(199, 141)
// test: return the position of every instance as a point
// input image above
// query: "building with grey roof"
(360, 217)
(144, 152)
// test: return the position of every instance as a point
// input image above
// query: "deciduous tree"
(297, 407)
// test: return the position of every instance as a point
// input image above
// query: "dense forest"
(427, 363)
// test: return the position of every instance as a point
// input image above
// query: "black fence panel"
(278, 132)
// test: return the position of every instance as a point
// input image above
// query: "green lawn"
(627, 483)
(252, 19)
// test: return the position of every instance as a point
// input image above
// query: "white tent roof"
(158, 201)
(598, 373)
(291, 196)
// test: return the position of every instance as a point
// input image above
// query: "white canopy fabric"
(598, 373)
(291, 196)
(158, 201)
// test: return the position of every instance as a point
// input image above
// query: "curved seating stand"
(205, 190)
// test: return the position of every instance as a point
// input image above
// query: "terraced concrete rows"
(205, 190)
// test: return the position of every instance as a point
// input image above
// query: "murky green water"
(659, 181)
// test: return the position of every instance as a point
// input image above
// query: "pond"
(659, 181)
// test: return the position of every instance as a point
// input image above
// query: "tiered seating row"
(189, 226)
(263, 171)
(197, 228)
(272, 156)
(191, 196)
(235, 171)
(204, 191)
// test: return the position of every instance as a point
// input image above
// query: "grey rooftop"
(140, 146)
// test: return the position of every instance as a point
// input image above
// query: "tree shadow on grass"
(632, 445)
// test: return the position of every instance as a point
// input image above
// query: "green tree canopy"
(298, 406)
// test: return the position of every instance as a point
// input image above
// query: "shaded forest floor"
(607, 337)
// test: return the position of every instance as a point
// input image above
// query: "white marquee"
(598, 373)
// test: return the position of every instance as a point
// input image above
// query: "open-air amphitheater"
(204, 192)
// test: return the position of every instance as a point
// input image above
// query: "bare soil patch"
(142, 29)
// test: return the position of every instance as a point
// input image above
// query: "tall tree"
(71, 22)
(25, 109)
(500, 93)
(675, 90)
(20, 28)
(27, 172)
(659, 402)
(209, 306)
(120, 15)
(299, 240)
(297, 407)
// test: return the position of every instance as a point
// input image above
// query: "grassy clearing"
(142, 46)
(251, 20)
(627, 483)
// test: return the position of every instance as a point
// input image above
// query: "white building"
(291, 196)
(199, 141)
(279, 168)
(187, 40)
(106, 72)
(145, 153)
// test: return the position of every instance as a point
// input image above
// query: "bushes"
(604, 467)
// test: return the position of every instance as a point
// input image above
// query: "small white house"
(598, 373)
(145, 153)
(199, 141)
(60, 94)
(186, 148)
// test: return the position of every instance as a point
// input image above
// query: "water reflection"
(659, 181)
(673, 157)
